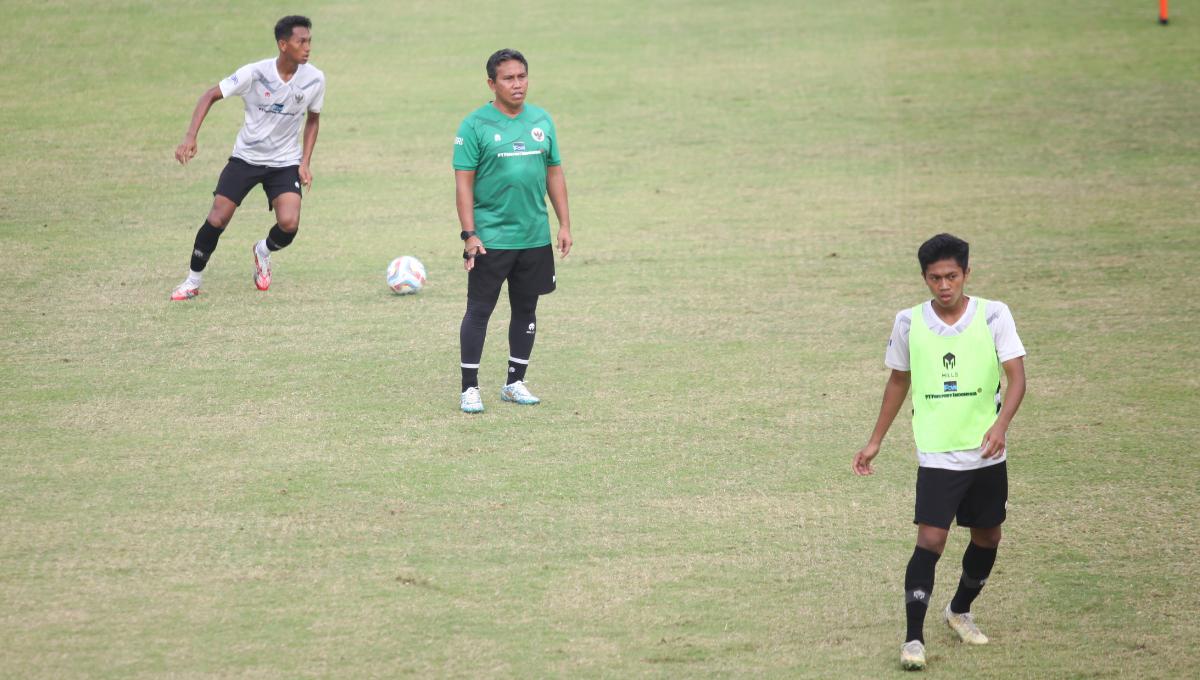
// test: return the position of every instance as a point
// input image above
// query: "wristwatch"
(466, 235)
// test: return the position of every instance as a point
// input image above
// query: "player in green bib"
(951, 351)
(506, 161)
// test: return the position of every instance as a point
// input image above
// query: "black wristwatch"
(466, 235)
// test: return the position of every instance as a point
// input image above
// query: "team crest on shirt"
(299, 97)
(537, 134)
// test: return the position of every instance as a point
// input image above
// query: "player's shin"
(206, 243)
(277, 239)
(471, 335)
(977, 565)
(918, 587)
(521, 334)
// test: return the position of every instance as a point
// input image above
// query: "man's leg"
(977, 564)
(471, 335)
(918, 577)
(521, 333)
(280, 236)
(206, 242)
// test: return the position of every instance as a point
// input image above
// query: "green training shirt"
(955, 383)
(509, 157)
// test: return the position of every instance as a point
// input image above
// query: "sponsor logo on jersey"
(948, 361)
(277, 108)
(497, 138)
(950, 386)
(458, 141)
(537, 134)
(518, 146)
(233, 79)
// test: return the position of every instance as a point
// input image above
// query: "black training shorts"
(975, 497)
(529, 272)
(239, 177)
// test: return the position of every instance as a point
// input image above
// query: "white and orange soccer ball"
(406, 275)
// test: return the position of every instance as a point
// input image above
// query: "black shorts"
(239, 177)
(529, 272)
(975, 497)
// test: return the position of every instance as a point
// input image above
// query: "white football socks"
(194, 277)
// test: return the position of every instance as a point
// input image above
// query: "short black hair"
(502, 56)
(283, 28)
(943, 247)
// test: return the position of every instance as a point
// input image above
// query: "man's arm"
(556, 186)
(464, 200)
(312, 124)
(994, 440)
(893, 398)
(186, 150)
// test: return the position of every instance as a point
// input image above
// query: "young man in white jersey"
(950, 350)
(277, 93)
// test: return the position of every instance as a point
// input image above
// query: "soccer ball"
(406, 275)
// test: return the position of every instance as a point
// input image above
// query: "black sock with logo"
(471, 335)
(977, 566)
(521, 333)
(918, 588)
(206, 243)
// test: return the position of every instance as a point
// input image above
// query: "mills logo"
(948, 361)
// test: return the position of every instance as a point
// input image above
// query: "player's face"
(510, 84)
(297, 47)
(945, 280)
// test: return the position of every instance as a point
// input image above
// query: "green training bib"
(955, 381)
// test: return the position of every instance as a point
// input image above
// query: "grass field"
(281, 485)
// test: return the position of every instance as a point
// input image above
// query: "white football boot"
(518, 393)
(472, 401)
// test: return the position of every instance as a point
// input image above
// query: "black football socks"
(278, 239)
(470, 339)
(206, 243)
(977, 565)
(521, 333)
(918, 587)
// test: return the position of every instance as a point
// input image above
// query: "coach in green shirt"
(506, 161)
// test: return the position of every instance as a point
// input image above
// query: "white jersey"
(1008, 346)
(271, 134)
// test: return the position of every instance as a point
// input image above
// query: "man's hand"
(862, 459)
(306, 176)
(471, 248)
(186, 150)
(564, 240)
(994, 440)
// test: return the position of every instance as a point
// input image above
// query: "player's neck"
(951, 315)
(511, 113)
(286, 67)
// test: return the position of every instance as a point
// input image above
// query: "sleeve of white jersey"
(318, 98)
(238, 84)
(896, 356)
(1004, 333)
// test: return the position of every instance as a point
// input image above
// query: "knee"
(932, 539)
(219, 218)
(478, 312)
(523, 305)
(289, 223)
(986, 538)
